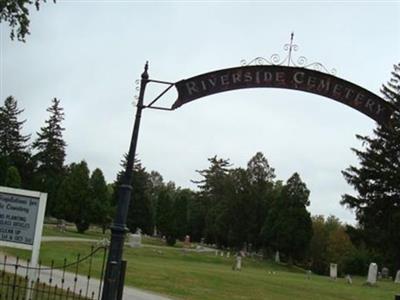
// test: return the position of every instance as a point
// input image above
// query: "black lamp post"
(118, 228)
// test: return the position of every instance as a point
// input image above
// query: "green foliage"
(50, 155)
(13, 179)
(318, 245)
(12, 141)
(330, 243)
(376, 181)
(288, 227)
(13, 144)
(75, 201)
(16, 13)
(100, 195)
(4, 165)
(141, 211)
(357, 262)
(182, 199)
(166, 221)
(261, 192)
(339, 248)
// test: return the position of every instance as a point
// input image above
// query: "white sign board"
(21, 218)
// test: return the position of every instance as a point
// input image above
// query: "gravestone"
(186, 243)
(238, 266)
(135, 240)
(372, 273)
(308, 273)
(222, 253)
(397, 279)
(333, 271)
(348, 279)
(379, 276)
(228, 254)
(216, 252)
(277, 258)
(385, 273)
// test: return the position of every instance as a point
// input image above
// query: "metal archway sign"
(286, 77)
(258, 76)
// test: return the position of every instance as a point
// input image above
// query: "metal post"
(118, 228)
(120, 291)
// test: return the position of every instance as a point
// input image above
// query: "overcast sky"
(90, 53)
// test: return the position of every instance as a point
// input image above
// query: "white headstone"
(333, 271)
(228, 254)
(397, 279)
(277, 259)
(222, 253)
(372, 273)
(135, 240)
(238, 262)
(216, 252)
(348, 279)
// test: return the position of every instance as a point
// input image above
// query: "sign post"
(21, 220)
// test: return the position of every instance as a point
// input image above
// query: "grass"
(70, 231)
(195, 276)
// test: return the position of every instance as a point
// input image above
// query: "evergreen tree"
(13, 144)
(213, 192)
(196, 218)
(377, 181)
(182, 199)
(140, 214)
(50, 155)
(13, 179)
(101, 200)
(166, 218)
(288, 227)
(75, 202)
(260, 196)
(16, 13)
(12, 141)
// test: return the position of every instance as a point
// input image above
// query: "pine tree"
(140, 214)
(288, 227)
(101, 199)
(214, 194)
(50, 154)
(13, 144)
(13, 178)
(75, 203)
(377, 181)
(261, 176)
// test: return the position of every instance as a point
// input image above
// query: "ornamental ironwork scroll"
(295, 78)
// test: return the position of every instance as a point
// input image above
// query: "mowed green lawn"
(192, 275)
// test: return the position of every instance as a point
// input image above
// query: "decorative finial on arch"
(301, 61)
(145, 75)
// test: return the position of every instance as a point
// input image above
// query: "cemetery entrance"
(259, 73)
